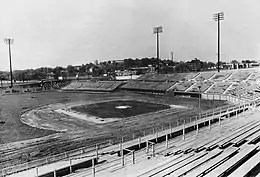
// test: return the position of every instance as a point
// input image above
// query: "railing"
(54, 158)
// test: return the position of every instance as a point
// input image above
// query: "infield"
(119, 108)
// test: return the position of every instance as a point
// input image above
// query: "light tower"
(157, 30)
(9, 41)
(218, 17)
(172, 55)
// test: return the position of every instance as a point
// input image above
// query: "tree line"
(109, 68)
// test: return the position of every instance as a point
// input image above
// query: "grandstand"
(237, 83)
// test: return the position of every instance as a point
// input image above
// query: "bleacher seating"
(147, 86)
(182, 86)
(244, 89)
(204, 76)
(73, 86)
(158, 77)
(92, 86)
(139, 85)
(203, 86)
(255, 76)
(191, 76)
(154, 77)
(178, 77)
(219, 87)
(221, 76)
(169, 77)
(236, 83)
(164, 86)
(240, 76)
(59, 85)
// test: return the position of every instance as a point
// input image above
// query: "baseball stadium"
(183, 124)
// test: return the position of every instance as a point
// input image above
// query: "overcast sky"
(63, 32)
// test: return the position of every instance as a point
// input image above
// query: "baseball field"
(36, 125)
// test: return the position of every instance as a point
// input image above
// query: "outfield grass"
(109, 109)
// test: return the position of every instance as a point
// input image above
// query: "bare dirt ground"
(20, 143)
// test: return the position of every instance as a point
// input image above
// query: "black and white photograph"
(130, 88)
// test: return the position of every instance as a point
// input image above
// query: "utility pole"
(9, 41)
(157, 30)
(218, 17)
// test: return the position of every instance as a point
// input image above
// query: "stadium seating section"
(204, 76)
(147, 86)
(231, 82)
(154, 77)
(201, 86)
(240, 76)
(35, 87)
(219, 87)
(179, 77)
(103, 86)
(55, 85)
(221, 76)
(255, 76)
(242, 83)
(182, 86)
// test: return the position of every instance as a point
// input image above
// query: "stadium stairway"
(248, 77)
(197, 76)
(189, 88)
(228, 89)
(169, 89)
(209, 88)
(210, 78)
(228, 77)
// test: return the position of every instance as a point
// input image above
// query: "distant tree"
(71, 70)
(57, 71)
(234, 62)
(182, 68)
